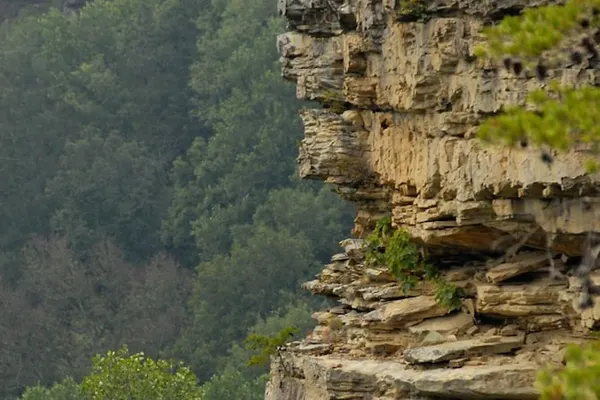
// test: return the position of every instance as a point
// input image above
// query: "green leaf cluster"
(562, 118)
(397, 250)
(68, 389)
(266, 346)
(556, 116)
(120, 376)
(538, 29)
(117, 375)
(411, 8)
(578, 380)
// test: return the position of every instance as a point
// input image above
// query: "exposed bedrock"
(402, 95)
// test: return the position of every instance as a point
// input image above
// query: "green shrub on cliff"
(396, 250)
(266, 346)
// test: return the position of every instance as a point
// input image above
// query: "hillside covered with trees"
(149, 194)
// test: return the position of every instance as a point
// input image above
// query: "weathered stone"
(523, 264)
(432, 93)
(380, 275)
(406, 311)
(453, 323)
(509, 330)
(472, 330)
(354, 248)
(538, 298)
(432, 338)
(318, 348)
(340, 257)
(328, 378)
(448, 351)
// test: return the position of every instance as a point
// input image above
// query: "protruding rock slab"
(406, 311)
(536, 298)
(449, 351)
(522, 265)
(457, 322)
(328, 378)
(509, 382)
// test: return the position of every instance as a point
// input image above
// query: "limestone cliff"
(403, 93)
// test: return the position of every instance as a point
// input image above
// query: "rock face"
(402, 95)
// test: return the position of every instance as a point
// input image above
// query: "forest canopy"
(150, 196)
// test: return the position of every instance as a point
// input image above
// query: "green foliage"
(562, 119)
(297, 314)
(234, 385)
(411, 8)
(139, 127)
(396, 250)
(537, 30)
(448, 295)
(219, 182)
(310, 210)
(68, 389)
(375, 242)
(120, 376)
(71, 85)
(556, 116)
(267, 345)
(120, 180)
(262, 273)
(578, 380)
(334, 100)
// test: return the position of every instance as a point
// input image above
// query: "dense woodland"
(149, 192)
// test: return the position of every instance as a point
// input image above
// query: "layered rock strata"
(380, 342)
(404, 99)
(402, 95)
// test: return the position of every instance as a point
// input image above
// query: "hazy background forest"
(148, 190)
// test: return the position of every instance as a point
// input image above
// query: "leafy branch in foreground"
(563, 119)
(538, 29)
(578, 380)
(555, 116)
(396, 250)
(266, 346)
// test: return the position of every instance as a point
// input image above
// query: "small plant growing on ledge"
(396, 250)
(411, 10)
(333, 100)
(266, 346)
(352, 168)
